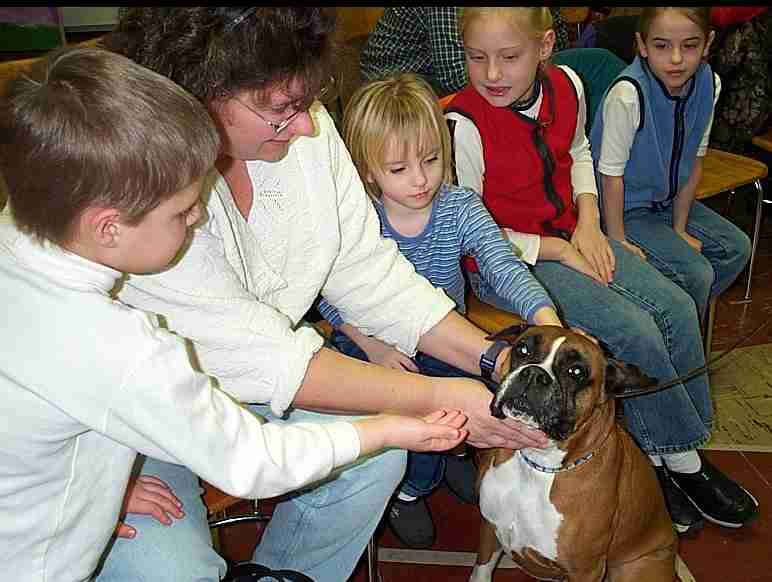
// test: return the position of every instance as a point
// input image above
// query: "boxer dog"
(589, 505)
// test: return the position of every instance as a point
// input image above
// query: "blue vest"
(668, 136)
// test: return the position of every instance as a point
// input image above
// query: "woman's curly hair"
(218, 52)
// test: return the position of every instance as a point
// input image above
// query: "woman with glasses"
(287, 220)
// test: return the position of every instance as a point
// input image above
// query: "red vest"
(514, 188)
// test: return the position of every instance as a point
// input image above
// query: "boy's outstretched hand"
(438, 431)
(148, 495)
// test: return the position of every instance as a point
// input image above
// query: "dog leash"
(696, 372)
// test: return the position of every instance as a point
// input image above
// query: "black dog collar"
(488, 359)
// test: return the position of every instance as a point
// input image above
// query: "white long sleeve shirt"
(241, 289)
(85, 383)
(470, 164)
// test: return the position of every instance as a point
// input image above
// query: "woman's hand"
(148, 495)
(486, 431)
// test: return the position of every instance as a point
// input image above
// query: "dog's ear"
(621, 377)
(509, 334)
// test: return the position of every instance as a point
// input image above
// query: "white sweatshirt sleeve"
(582, 171)
(165, 410)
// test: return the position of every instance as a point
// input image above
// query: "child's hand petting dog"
(148, 495)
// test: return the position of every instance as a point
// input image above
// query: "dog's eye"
(578, 373)
(522, 349)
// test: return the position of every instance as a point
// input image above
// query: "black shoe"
(412, 523)
(250, 572)
(685, 517)
(716, 496)
(461, 477)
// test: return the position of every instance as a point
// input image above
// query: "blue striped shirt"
(460, 225)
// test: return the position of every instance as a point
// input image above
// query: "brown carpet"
(742, 393)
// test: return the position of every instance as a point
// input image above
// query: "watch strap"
(488, 359)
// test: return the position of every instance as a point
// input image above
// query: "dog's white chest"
(515, 499)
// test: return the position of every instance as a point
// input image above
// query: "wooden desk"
(763, 141)
(725, 172)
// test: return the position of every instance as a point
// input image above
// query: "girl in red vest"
(519, 140)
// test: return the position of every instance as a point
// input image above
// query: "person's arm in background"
(447, 51)
(562, 40)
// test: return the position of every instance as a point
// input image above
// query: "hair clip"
(238, 19)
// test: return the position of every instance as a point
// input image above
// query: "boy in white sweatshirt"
(104, 162)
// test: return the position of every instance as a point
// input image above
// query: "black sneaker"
(716, 496)
(412, 523)
(685, 517)
(460, 477)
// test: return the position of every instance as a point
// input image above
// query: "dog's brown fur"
(615, 522)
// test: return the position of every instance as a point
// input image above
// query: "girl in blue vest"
(399, 143)
(519, 140)
(648, 141)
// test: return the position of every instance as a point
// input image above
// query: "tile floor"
(714, 555)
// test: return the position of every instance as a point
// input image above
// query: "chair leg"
(729, 201)
(755, 241)
(707, 332)
(373, 575)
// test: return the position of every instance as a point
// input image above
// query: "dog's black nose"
(531, 375)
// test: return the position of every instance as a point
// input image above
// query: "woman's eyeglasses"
(277, 127)
(300, 106)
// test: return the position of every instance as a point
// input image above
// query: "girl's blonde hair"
(530, 20)
(698, 15)
(401, 109)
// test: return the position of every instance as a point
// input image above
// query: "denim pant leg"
(725, 249)
(323, 529)
(181, 552)
(424, 470)
(645, 320)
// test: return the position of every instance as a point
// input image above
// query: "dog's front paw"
(483, 572)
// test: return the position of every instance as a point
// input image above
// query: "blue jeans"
(424, 470)
(725, 249)
(321, 531)
(180, 552)
(647, 320)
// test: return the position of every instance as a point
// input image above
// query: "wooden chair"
(725, 172)
(220, 507)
